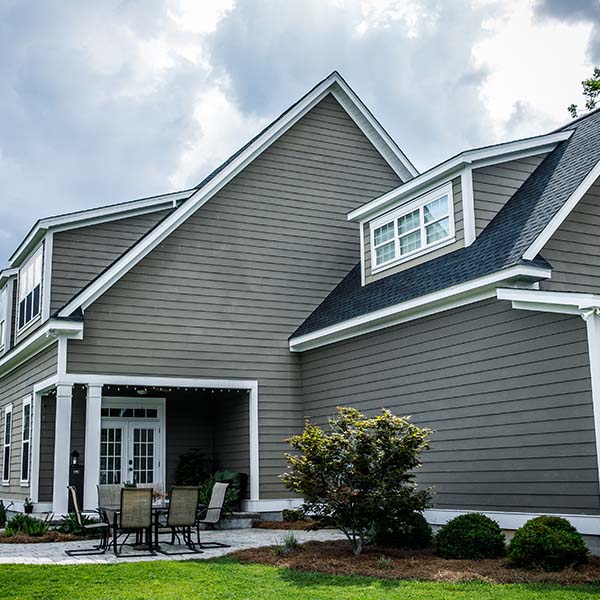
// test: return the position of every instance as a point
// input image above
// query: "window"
(30, 289)
(413, 230)
(3, 313)
(26, 440)
(7, 435)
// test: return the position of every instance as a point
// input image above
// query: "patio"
(54, 553)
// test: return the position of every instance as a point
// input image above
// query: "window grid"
(6, 438)
(111, 444)
(26, 441)
(143, 455)
(30, 289)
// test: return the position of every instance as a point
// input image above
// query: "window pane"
(408, 222)
(436, 209)
(36, 301)
(28, 307)
(25, 462)
(438, 231)
(385, 233)
(22, 312)
(410, 242)
(385, 252)
(37, 272)
(6, 463)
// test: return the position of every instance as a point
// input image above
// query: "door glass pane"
(143, 451)
(110, 455)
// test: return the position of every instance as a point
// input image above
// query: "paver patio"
(54, 553)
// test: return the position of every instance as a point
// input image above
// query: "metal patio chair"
(134, 516)
(109, 495)
(100, 527)
(213, 514)
(181, 517)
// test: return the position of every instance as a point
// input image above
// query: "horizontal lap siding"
(80, 255)
(220, 297)
(14, 387)
(493, 186)
(459, 243)
(506, 392)
(574, 249)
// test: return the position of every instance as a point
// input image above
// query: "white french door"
(131, 442)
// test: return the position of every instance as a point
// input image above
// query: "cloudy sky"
(102, 102)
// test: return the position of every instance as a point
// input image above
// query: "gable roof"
(335, 85)
(502, 244)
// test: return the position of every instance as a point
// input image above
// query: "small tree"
(591, 91)
(359, 472)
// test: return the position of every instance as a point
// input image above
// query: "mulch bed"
(336, 558)
(51, 536)
(287, 525)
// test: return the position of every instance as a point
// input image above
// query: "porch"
(129, 429)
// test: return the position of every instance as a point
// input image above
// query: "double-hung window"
(30, 289)
(3, 315)
(6, 439)
(414, 229)
(26, 440)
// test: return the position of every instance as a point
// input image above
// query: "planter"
(28, 508)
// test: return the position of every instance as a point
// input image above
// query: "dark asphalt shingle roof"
(499, 246)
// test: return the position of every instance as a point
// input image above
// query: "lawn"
(224, 578)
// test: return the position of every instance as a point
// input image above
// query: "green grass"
(230, 580)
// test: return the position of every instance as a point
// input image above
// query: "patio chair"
(181, 517)
(109, 495)
(135, 516)
(101, 528)
(213, 514)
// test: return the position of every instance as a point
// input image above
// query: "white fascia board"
(451, 297)
(562, 214)
(6, 274)
(569, 301)
(334, 83)
(476, 158)
(95, 216)
(43, 337)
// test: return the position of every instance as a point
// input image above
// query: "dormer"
(446, 208)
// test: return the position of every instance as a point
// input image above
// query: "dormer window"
(416, 228)
(30, 289)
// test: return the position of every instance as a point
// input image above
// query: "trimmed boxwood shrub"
(471, 536)
(548, 543)
(409, 532)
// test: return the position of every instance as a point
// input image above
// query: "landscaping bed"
(51, 536)
(286, 525)
(336, 558)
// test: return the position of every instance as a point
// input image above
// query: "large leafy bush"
(549, 543)
(359, 472)
(472, 536)
(25, 524)
(406, 531)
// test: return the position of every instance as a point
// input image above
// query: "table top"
(156, 506)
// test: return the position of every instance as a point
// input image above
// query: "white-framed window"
(3, 315)
(416, 228)
(6, 440)
(30, 289)
(26, 440)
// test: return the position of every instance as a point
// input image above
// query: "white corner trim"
(562, 214)
(585, 524)
(451, 297)
(479, 156)
(198, 199)
(61, 367)
(363, 266)
(592, 320)
(468, 204)
(271, 505)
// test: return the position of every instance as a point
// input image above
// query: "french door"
(130, 452)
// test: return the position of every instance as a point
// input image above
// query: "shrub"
(205, 493)
(472, 536)
(549, 543)
(359, 472)
(192, 468)
(288, 544)
(384, 562)
(292, 515)
(412, 531)
(71, 525)
(27, 525)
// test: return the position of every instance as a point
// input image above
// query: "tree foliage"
(359, 472)
(591, 91)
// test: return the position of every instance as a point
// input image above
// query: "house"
(315, 268)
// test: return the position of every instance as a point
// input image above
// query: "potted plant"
(28, 505)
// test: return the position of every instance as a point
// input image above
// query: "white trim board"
(452, 297)
(476, 158)
(335, 85)
(562, 214)
(272, 505)
(585, 524)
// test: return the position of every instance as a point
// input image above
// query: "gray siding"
(80, 255)
(220, 297)
(47, 431)
(506, 392)
(574, 250)
(493, 186)
(14, 387)
(459, 243)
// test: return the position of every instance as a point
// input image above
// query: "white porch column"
(62, 448)
(592, 320)
(92, 446)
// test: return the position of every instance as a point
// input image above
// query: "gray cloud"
(575, 11)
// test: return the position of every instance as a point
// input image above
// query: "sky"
(103, 102)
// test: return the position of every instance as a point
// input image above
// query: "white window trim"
(4, 317)
(26, 402)
(34, 255)
(417, 203)
(8, 409)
